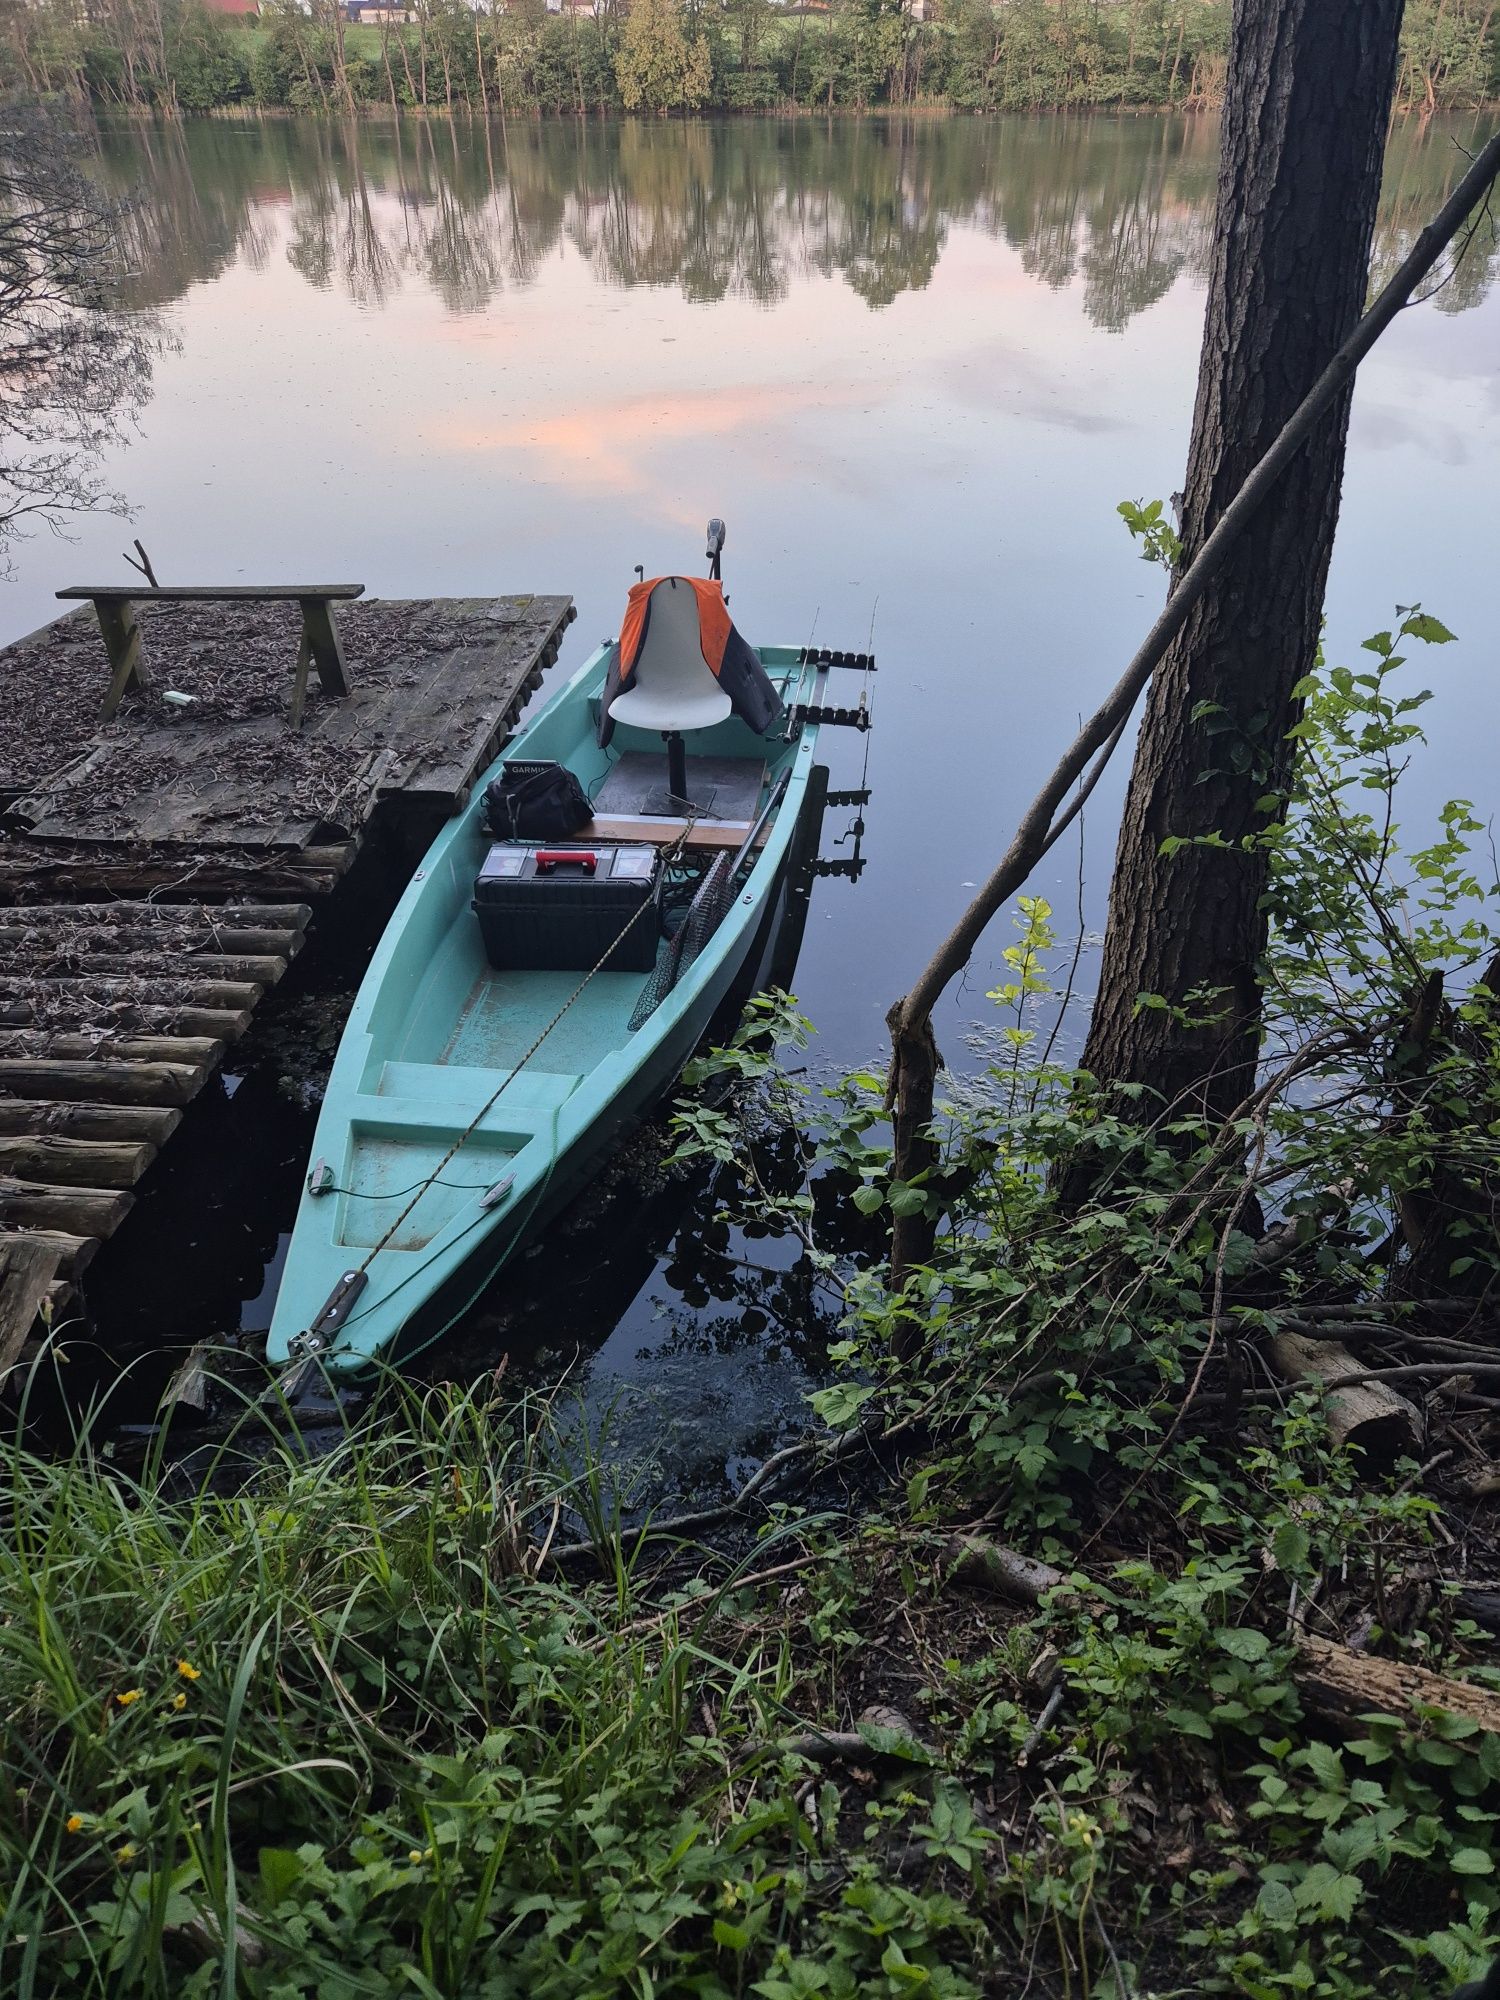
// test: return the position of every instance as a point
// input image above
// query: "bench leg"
(299, 685)
(122, 641)
(320, 635)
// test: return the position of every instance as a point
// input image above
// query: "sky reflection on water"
(914, 366)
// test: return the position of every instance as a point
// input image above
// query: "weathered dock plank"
(73, 1253)
(152, 1123)
(160, 863)
(44, 871)
(196, 1051)
(175, 927)
(28, 1205)
(106, 1080)
(112, 1018)
(96, 1163)
(28, 1269)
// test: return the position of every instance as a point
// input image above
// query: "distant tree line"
(687, 55)
(1119, 208)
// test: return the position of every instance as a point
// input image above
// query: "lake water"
(914, 365)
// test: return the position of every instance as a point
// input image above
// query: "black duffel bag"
(536, 802)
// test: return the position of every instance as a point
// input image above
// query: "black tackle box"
(559, 905)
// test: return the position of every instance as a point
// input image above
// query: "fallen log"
(969, 1559)
(300, 872)
(168, 986)
(1368, 1414)
(1347, 1685)
(70, 920)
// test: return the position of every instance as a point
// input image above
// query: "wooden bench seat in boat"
(728, 834)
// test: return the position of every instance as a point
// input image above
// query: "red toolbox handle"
(548, 858)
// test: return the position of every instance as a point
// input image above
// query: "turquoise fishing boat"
(532, 996)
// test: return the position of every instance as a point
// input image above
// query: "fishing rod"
(778, 791)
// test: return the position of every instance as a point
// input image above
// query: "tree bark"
(1307, 104)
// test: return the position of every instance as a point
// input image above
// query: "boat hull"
(467, 1106)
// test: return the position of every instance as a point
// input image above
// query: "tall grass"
(314, 1725)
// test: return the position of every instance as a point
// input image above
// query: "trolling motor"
(715, 547)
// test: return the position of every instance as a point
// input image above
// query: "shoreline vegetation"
(664, 56)
(1099, 1647)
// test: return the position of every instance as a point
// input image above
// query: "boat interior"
(454, 1026)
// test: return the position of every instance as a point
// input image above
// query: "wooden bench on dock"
(114, 606)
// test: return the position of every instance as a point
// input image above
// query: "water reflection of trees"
(1122, 207)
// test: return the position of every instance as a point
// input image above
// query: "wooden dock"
(159, 869)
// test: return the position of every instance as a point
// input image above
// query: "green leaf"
(730, 1935)
(1276, 1903)
(896, 1965)
(1471, 1861)
(1450, 1728)
(1190, 1722)
(1292, 1546)
(1326, 1766)
(840, 1404)
(1339, 1898)
(868, 1198)
(888, 1742)
(280, 1872)
(1242, 1642)
(1422, 625)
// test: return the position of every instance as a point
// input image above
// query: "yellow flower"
(420, 1854)
(188, 1671)
(75, 1822)
(125, 1853)
(179, 1701)
(130, 1695)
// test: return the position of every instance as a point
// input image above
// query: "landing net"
(705, 913)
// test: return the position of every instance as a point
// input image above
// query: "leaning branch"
(1037, 830)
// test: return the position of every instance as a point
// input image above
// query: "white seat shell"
(675, 687)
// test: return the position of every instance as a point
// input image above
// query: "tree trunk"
(1307, 101)
(385, 57)
(484, 95)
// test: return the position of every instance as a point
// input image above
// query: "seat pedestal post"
(671, 803)
(676, 765)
